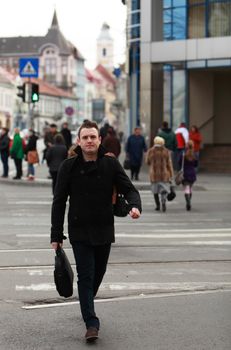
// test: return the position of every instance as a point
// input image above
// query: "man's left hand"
(134, 213)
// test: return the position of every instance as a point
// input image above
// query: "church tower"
(105, 48)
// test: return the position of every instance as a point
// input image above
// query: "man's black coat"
(89, 186)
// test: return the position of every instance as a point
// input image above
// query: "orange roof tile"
(105, 73)
(49, 89)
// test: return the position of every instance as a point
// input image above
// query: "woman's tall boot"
(188, 201)
(157, 201)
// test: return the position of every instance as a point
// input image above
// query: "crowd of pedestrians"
(170, 152)
(19, 148)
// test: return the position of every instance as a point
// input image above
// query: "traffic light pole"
(29, 93)
(30, 116)
(30, 121)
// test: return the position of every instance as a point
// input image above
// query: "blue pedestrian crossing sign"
(29, 67)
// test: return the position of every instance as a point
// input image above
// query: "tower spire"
(55, 23)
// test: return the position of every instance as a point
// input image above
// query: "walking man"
(135, 147)
(88, 180)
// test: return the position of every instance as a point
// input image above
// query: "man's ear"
(78, 141)
(100, 139)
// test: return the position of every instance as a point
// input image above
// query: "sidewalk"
(204, 181)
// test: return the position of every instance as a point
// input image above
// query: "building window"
(135, 32)
(174, 19)
(104, 52)
(167, 94)
(98, 109)
(219, 23)
(174, 101)
(134, 21)
(134, 58)
(196, 19)
(50, 69)
(135, 5)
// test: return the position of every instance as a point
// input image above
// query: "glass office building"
(185, 65)
(133, 53)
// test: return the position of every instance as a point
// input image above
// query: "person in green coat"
(170, 139)
(17, 153)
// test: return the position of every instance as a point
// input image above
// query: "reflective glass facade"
(134, 61)
(175, 94)
(196, 19)
(184, 20)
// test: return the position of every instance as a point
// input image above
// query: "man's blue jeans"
(91, 264)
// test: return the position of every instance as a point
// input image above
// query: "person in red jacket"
(112, 143)
(182, 137)
(196, 137)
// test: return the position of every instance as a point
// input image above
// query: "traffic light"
(22, 92)
(34, 92)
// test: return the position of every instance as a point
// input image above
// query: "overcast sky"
(80, 21)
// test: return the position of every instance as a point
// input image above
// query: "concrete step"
(216, 159)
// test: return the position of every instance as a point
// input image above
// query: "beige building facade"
(185, 67)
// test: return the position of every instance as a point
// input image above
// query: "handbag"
(127, 164)
(120, 207)
(179, 177)
(172, 194)
(13, 155)
(63, 274)
(32, 157)
(180, 174)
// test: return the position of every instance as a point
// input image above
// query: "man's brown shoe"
(91, 335)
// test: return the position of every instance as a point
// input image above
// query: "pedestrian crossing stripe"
(28, 69)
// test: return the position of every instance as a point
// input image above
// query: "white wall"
(185, 50)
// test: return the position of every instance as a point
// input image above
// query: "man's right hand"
(55, 245)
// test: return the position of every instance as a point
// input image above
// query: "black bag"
(13, 155)
(172, 194)
(63, 274)
(120, 208)
(127, 164)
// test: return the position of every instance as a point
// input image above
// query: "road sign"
(69, 111)
(28, 67)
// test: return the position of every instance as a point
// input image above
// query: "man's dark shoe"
(92, 334)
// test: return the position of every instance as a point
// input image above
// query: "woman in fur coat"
(160, 171)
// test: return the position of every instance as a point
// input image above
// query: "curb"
(25, 182)
(140, 186)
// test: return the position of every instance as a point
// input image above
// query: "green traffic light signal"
(34, 92)
(34, 97)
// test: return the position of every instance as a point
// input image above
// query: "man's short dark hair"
(88, 124)
(59, 140)
(165, 125)
(6, 130)
(53, 125)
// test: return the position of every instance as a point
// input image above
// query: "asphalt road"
(168, 284)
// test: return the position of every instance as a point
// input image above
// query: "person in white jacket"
(182, 138)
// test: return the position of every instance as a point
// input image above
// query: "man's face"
(89, 140)
(53, 130)
(137, 131)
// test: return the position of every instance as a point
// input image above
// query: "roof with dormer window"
(31, 45)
